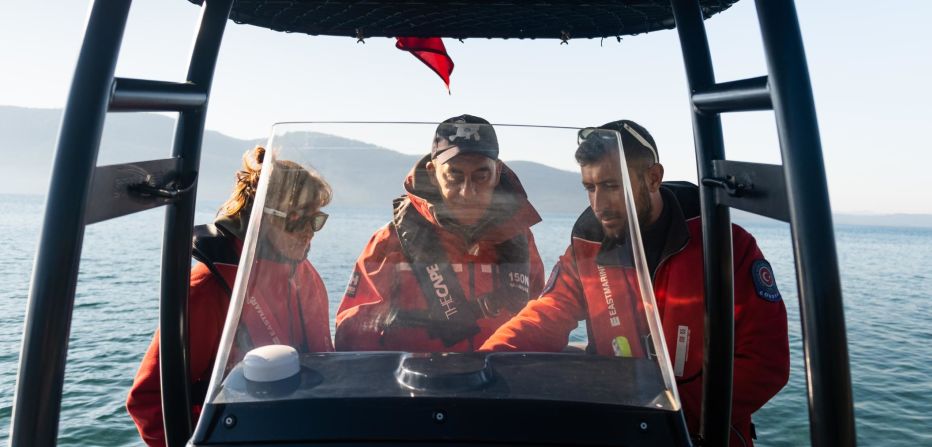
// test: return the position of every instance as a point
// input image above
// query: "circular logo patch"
(764, 282)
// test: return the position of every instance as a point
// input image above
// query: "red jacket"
(384, 286)
(208, 300)
(575, 293)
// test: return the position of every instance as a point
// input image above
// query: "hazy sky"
(871, 66)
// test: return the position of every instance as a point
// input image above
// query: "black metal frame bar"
(143, 95)
(801, 198)
(735, 96)
(179, 223)
(825, 345)
(716, 234)
(94, 92)
(51, 296)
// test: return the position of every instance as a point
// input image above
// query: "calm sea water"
(885, 275)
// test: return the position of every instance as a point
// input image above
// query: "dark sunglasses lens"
(319, 220)
(297, 223)
(583, 134)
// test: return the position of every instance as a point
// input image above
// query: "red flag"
(431, 52)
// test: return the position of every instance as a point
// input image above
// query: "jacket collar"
(234, 226)
(615, 252)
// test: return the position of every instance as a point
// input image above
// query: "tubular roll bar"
(55, 274)
(76, 180)
(825, 344)
(800, 197)
(716, 235)
(179, 224)
(736, 96)
(141, 95)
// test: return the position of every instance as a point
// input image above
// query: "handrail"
(143, 95)
(717, 259)
(825, 344)
(744, 95)
(179, 224)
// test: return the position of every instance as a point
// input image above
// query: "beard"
(643, 210)
(643, 204)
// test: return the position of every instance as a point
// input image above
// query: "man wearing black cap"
(582, 283)
(458, 258)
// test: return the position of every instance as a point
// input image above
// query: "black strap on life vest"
(450, 316)
(212, 245)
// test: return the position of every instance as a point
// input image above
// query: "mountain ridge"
(371, 182)
(368, 176)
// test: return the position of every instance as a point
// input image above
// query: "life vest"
(386, 305)
(450, 316)
(217, 250)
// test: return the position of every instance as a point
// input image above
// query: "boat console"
(501, 398)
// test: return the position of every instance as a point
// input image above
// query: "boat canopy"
(521, 19)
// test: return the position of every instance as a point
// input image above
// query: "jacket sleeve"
(536, 267)
(144, 402)
(544, 325)
(762, 357)
(364, 306)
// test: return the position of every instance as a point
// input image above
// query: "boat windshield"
(408, 260)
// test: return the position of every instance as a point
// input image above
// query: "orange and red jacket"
(282, 284)
(383, 283)
(575, 292)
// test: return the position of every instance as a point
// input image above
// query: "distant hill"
(367, 176)
(363, 175)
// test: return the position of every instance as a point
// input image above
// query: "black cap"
(464, 134)
(634, 135)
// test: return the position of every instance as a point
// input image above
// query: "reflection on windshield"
(451, 264)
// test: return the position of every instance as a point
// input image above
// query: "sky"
(870, 63)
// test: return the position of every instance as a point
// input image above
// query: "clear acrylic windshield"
(408, 259)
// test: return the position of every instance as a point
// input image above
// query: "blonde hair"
(300, 179)
(247, 180)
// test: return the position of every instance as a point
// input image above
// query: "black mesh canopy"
(534, 19)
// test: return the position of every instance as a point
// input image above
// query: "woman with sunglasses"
(286, 302)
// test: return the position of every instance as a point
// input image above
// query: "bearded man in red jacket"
(673, 249)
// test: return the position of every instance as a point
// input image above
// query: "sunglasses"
(296, 221)
(604, 134)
